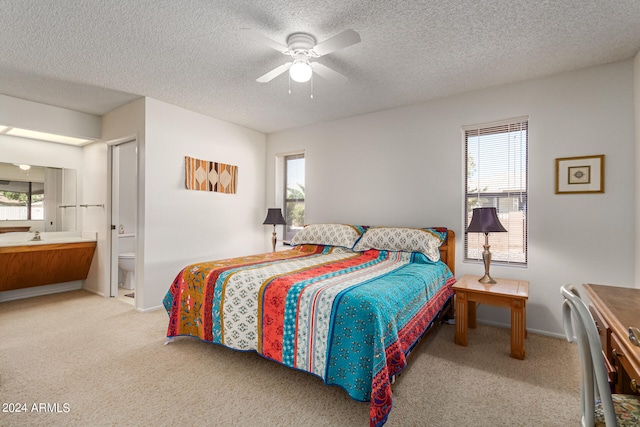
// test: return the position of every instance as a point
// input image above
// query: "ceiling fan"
(302, 47)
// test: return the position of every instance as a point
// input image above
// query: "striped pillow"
(423, 240)
(328, 234)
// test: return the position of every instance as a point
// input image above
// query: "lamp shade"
(485, 220)
(274, 216)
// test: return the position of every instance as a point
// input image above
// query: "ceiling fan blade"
(253, 35)
(274, 73)
(339, 41)
(327, 73)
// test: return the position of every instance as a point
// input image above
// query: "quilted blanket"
(348, 317)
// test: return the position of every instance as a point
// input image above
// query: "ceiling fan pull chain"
(289, 84)
(312, 86)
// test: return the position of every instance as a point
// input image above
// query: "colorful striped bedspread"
(347, 317)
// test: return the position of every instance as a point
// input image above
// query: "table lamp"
(485, 220)
(274, 216)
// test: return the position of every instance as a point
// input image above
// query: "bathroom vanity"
(57, 258)
(39, 244)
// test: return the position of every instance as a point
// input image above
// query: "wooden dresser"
(614, 310)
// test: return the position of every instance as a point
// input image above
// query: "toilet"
(127, 263)
(127, 260)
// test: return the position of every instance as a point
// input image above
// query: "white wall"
(404, 166)
(40, 153)
(184, 226)
(16, 112)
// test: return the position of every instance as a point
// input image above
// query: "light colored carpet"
(105, 364)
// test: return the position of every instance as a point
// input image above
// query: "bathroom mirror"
(39, 198)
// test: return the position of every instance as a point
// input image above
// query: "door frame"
(114, 209)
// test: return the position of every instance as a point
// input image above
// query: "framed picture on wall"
(580, 174)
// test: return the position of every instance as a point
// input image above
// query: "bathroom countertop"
(46, 238)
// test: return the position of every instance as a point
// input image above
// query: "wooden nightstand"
(504, 293)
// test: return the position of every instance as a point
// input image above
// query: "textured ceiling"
(95, 55)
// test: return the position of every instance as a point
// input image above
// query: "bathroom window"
(21, 200)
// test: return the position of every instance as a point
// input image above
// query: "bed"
(347, 303)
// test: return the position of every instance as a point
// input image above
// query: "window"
(21, 200)
(496, 176)
(294, 194)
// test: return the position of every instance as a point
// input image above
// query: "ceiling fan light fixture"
(300, 71)
(301, 47)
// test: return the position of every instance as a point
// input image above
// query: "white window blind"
(496, 175)
(294, 191)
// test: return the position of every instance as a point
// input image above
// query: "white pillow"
(327, 234)
(404, 239)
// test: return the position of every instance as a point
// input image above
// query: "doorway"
(124, 218)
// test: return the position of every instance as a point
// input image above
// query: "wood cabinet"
(44, 264)
(614, 310)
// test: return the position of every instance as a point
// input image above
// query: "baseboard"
(37, 291)
(93, 291)
(147, 310)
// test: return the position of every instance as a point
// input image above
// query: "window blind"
(294, 192)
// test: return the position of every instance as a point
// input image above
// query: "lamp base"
(486, 279)
(486, 259)
(274, 238)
